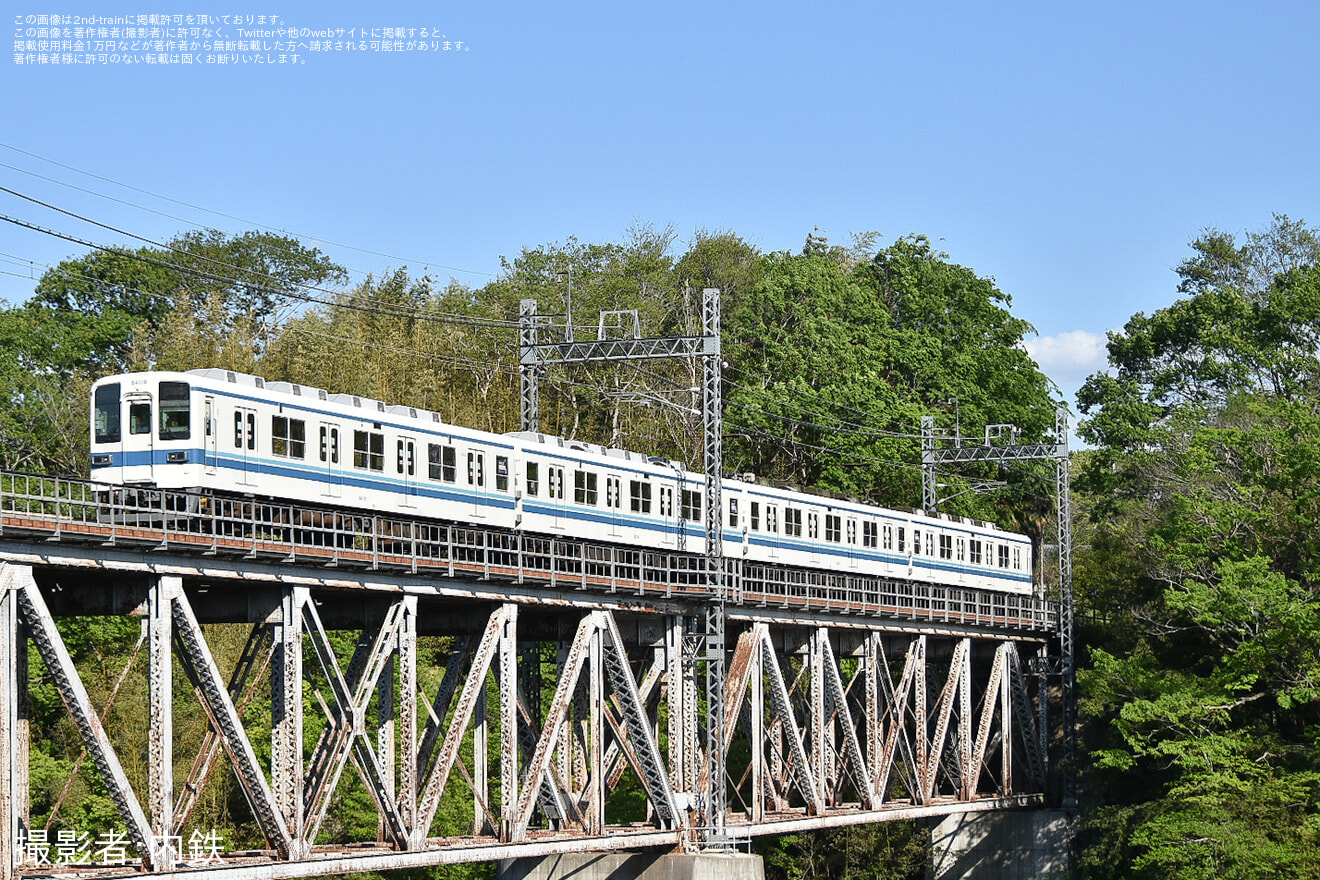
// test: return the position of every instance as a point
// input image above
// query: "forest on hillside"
(1197, 499)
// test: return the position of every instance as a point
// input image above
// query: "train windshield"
(106, 419)
(174, 423)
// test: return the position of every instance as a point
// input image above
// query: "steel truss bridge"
(573, 671)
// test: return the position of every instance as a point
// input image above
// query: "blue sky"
(1071, 152)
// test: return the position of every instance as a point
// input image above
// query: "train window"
(533, 478)
(1017, 558)
(139, 418)
(756, 516)
(889, 536)
(107, 413)
(852, 531)
(556, 482)
(441, 462)
(288, 437)
(793, 521)
(334, 445)
(476, 469)
(406, 461)
(502, 473)
(584, 487)
(902, 539)
(946, 546)
(240, 435)
(976, 552)
(833, 528)
(869, 530)
(771, 519)
(962, 550)
(369, 450)
(813, 526)
(639, 496)
(733, 513)
(916, 541)
(930, 544)
(613, 492)
(1003, 556)
(691, 505)
(174, 411)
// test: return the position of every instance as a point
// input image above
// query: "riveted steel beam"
(13, 763)
(160, 732)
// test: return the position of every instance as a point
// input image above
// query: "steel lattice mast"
(933, 456)
(708, 633)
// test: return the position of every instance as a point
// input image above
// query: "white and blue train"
(230, 433)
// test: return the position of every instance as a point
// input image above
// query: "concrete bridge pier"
(634, 866)
(1032, 845)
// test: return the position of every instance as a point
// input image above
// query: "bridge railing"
(56, 508)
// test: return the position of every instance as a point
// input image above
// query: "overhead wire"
(222, 214)
(293, 291)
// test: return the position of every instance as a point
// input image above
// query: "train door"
(613, 501)
(245, 444)
(852, 542)
(139, 442)
(668, 516)
(555, 488)
(476, 478)
(406, 464)
(329, 446)
(211, 455)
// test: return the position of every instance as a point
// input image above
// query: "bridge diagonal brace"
(897, 739)
(350, 710)
(852, 748)
(252, 663)
(60, 665)
(952, 685)
(444, 697)
(988, 706)
(648, 689)
(555, 717)
(438, 777)
(810, 787)
(554, 799)
(644, 747)
(215, 696)
(1026, 721)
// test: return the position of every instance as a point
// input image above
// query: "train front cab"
(143, 432)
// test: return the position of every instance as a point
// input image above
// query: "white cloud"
(1069, 357)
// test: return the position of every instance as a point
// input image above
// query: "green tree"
(836, 360)
(203, 300)
(1203, 687)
